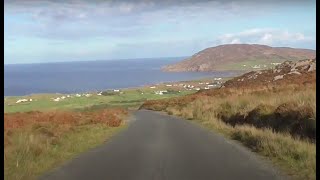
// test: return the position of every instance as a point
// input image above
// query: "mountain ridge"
(219, 57)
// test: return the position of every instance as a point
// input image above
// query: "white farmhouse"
(22, 100)
(56, 99)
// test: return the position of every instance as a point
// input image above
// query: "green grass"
(130, 98)
(31, 154)
(249, 63)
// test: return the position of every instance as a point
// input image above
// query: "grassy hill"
(239, 57)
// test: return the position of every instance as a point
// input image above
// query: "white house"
(22, 100)
(152, 87)
(160, 92)
(168, 85)
(57, 99)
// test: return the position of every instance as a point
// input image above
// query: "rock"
(302, 63)
(293, 69)
(312, 67)
(294, 72)
(276, 70)
(278, 77)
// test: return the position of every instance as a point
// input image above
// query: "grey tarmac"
(156, 146)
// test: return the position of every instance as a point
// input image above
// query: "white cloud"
(266, 36)
(235, 41)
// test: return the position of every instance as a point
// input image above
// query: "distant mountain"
(239, 57)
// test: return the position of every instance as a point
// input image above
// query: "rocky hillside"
(235, 56)
(299, 72)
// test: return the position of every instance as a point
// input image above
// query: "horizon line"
(93, 60)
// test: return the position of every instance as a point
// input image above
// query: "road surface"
(161, 147)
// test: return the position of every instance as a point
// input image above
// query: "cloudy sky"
(79, 30)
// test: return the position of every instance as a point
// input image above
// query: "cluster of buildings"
(57, 99)
(192, 86)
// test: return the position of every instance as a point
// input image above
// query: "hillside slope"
(239, 57)
(272, 112)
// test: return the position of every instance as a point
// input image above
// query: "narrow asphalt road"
(162, 147)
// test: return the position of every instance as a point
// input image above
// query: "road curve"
(162, 147)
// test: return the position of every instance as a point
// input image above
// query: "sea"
(89, 76)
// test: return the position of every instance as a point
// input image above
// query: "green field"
(129, 97)
(249, 64)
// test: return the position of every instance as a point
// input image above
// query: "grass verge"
(278, 123)
(36, 142)
(294, 157)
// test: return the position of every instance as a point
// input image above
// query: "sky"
(78, 30)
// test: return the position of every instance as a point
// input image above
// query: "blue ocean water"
(72, 77)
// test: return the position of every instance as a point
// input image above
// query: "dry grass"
(278, 122)
(38, 141)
